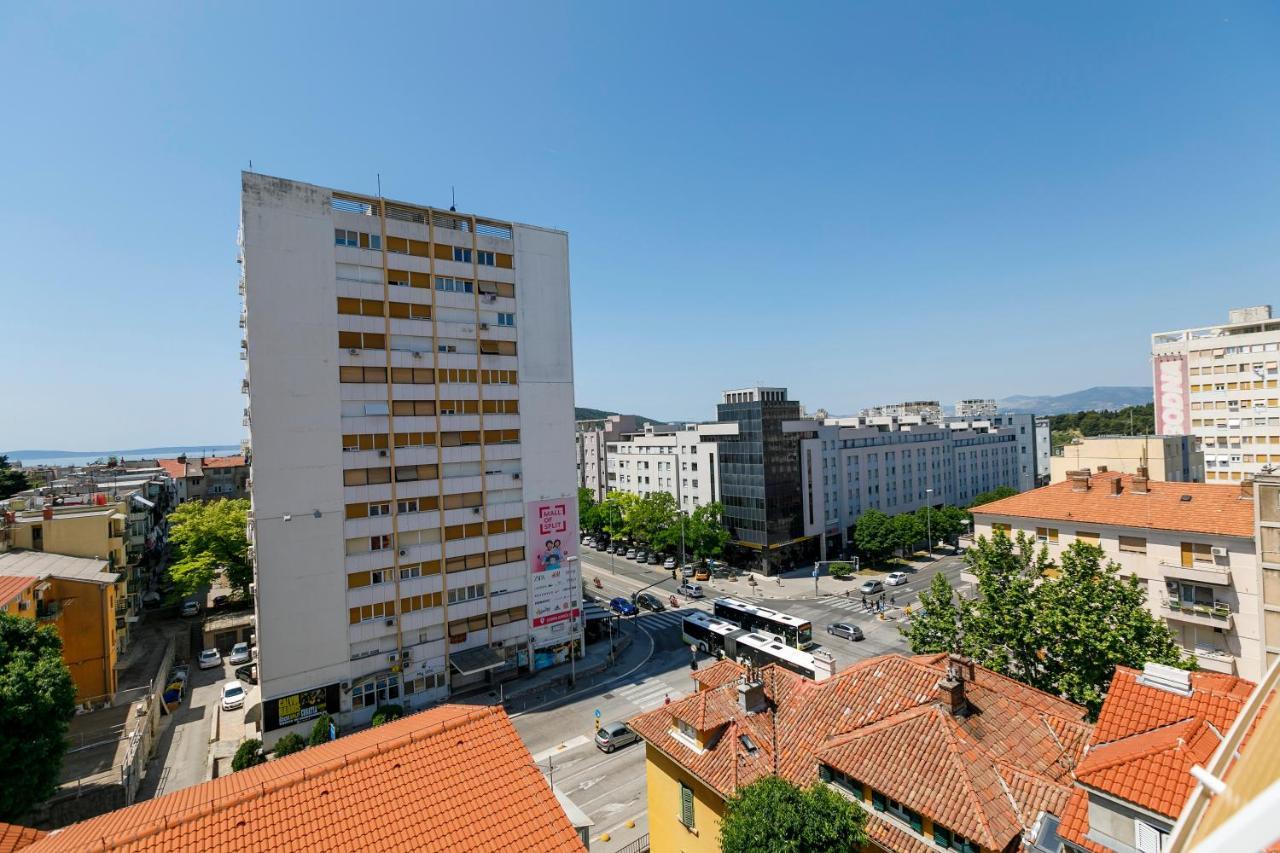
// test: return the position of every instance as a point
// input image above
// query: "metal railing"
(640, 845)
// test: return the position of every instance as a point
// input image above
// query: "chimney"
(1102, 469)
(951, 687)
(1140, 483)
(183, 459)
(1246, 489)
(751, 697)
(1113, 486)
(1079, 480)
(47, 514)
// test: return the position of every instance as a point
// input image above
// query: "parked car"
(641, 556)
(895, 579)
(239, 654)
(151, 599)
(623, 607)
(620, 550)
(702, 573)
(690, 590)
(232, 696)
(631, 553)
(190, 607)
(843, 629)
(653, 560)
(649, 601)
(614, 735)
(669, 563)
(687, 570)
(248, 674)
(588, 541)
(871, 587)
(209, 658)
(721, 570)
(221, 600)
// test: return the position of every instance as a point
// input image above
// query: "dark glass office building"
(760, 481)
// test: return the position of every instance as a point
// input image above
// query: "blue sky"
(863, 202)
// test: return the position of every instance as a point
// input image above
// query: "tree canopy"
(772, 815)
(1061, 628)
(37, 701)
(996, 494)
(210, 537)
(874, 535)
(1131, 420)
(12, 480)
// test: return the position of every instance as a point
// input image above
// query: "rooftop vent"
(1168, 678)
(1185, 498)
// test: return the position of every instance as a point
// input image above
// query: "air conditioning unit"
(475, 510)
(1218, 551)
(489, 297)
(417, 355)
(515, 476)
(403, 552)
(484, 327)
(392, 658)
(382, 453)
(354, 350)
(391, 623)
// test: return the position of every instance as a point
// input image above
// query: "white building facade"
(591, 449)
(1033, 437)
(976, 409)
(1220, 384)
(681, 462)
(410, 384)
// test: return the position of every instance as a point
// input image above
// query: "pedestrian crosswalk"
(648, 694)
(853, 605)
(667, 620)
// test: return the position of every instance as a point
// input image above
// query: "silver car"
(613, 735)
(844, 629)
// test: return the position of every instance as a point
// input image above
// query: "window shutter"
(824, 773)
(877, 801)
(941, 837)
(1186, 555)
(686, 805)
(1146, 837)
(916, 823)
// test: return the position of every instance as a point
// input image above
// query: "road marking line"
(571, 743)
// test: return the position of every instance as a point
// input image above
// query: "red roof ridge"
(1172, 737)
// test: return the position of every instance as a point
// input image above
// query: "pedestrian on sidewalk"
(666, 698)
(864, 602)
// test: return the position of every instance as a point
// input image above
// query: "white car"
(669, 563)
(895, 579)
(190, 608)
(239, 654)
(690, 590)
(209, 658)
(232, 695)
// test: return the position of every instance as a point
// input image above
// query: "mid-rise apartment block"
(929, 411)
(895, 465)
(410, 383)
(976, 409)
(1193, 546)
(591, 449)
(681, 462)
(1033, 437)
(208, 477)
(1172, 458)
(1222, 385)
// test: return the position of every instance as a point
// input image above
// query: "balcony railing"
(1218, 614)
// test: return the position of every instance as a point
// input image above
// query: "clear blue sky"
(863, 202)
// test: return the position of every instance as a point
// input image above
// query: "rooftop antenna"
(379, 185)
(250, 164)
(453, 199)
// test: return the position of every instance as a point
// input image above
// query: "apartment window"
(949, 840)
(378, 576)
(407, 506)
(1133, 544)
(484, 258)
(454, 285)
(1088, 538)
(462, 255)
(1047, 535)
(686, 806)
(372, 409)
(506, 319)
(410, 572)
(376, 692)
(379, 509)
(466, 593)
(1196, 552)
(342, 237)
(379, 543)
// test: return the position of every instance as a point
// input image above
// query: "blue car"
(621, 606)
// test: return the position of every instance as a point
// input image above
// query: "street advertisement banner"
(1172, 392)
(300, 707)
(551, 527)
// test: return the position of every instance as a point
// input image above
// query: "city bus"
(795, 632)
(724, 639)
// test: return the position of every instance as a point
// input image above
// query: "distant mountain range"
(582, 413)
(1098, 398)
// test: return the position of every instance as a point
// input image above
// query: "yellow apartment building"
(78, 597)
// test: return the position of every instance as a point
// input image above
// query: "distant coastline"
(31, 458)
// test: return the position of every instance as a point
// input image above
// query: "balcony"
(1216, 615)
(1215, 660)
(1212, 573)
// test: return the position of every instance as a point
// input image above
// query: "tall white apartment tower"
(410, 383)
(1219, 383)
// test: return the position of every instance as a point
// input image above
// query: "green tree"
(935, 627)
(944, 523)
(289, 744)
(12, 480)
(613, 513)
(386, 713)
(319, 731)
(249, 754)
(37, 701)
(589, 519)
(209, 537)
(996, 494)
(908, 531)
(651, 519)
(705, 535)
(873, 535)
(840, 571)
(772, 815)
(999, 626)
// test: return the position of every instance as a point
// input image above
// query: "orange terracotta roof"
(1152, 769)
(888, 835)
(222, 462)
(987, 774)
(720, 672)
(1213, 509)
(173, 467)
(706, 709)
(1132, 707)
(1074, 823)
(11, 586)
(14, 837)
(455, 777)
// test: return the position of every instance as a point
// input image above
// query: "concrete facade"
(681, 462)
(591, 449)
(929, 411)
(976, 409)
(397, 440)
(1220, 384)
(1173, 458)
(1033, 437)
(1267, 519)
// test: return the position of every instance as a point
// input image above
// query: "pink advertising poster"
(1172, 392)
(555, 591)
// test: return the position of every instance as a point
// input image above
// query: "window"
(1047, 534)
(1000, 528)
(1133, 544)
(483, 258)
(686, 805)
(462, 255)
(453, 285)
(1196, 552)
(410, 572)
(1088, 537)
(378, 576)
(376, 692)
(1146, 838)
(343, 237)
(407, 506)
(466, 593)
(379, 543)
(379, 509)
(949, 840)
(506, 319)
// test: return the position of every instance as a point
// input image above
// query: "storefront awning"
(476, 660)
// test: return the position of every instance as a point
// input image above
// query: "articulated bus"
(795, 632)
(724, 639)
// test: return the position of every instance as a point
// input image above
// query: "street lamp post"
(928, 518)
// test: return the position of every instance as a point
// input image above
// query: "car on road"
(623, 607)
(844, 629)
(702, 573)
(588, 541)
(641, 556)
(209, 658)
(232, 695)
(221, 600)
(239, 654)
(620, 550)
(630, 554)
(653, 560)
(190, 607)
(649, 601)
(688, 570)
(871, 587)
(895, 579)
(690, 590)
(669, 563)
(722, 570)
(615, 735)
(151, 599)
(248, 674)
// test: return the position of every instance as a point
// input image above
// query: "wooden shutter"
(877, 801)
(1146, 838)
(686, 805)
(1187, 554)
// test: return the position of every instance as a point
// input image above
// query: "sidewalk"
(799, 583)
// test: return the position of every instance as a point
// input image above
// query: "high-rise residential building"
(591, 445)
(928, 410)
(1032, 435)
(976, 409)
(1219, 383)
(760, 480)
(683, 462)
(1173, 458)
(410, 381)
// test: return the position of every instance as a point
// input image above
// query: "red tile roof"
(1213, 509)
(986, 774)
(13, 837)
(720, 672)
(11, 586)
(173, 467)
(452, 778)
(1146, 741)
(222, 461)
